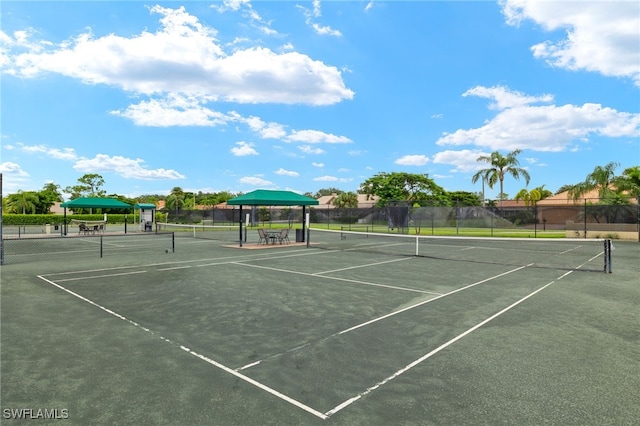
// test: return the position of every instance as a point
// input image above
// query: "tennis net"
(565, 253)
(211, 232)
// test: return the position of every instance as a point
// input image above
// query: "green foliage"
(499, 167)
(89, 185)
(398, 186)
(600, 179)
(346, 200)
(326, 191)
(463, 198)
(43, 219)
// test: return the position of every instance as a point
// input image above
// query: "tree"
(346, 200)
(22, 202)
(47, 197)
(397, 186)
(90, 185)
(530, 198)
(600, 179)
(175, 200)
(464, 198)
(326, 191)
(500, 166)
(629, 181)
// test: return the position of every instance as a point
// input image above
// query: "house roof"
(95, 203)
(563, 199)
(364, 200)
(266, 197)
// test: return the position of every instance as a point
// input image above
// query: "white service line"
(202, 357)
(438, 349)
(98, 276)
(337, 278)
(362, 266)
(374, 320)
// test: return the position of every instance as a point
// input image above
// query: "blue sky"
(239, 95)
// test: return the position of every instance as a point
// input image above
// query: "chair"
(284, 236)
(82, 229)
(262, 235)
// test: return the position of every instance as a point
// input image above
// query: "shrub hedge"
(52, 219)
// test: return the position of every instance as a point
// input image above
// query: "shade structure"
(267, 197)
(139, 206)
(95, 203)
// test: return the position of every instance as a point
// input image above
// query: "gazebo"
(92, 203)
(267, 197)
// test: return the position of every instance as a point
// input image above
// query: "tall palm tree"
(500, 166)
(601, 179)
(175, 200)
(23, 201)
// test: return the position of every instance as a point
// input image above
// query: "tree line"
(386, 188)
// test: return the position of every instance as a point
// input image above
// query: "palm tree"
(629, 181)
(175, 200)
(346, 200)
(530, 198)
(23, 201)
(500, 166)
(601, 179)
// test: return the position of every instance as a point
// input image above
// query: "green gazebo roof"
(95, 203)
(266, 197)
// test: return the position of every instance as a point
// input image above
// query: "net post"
(100, 246)
(417, 245)
(173, 242)
(607, 255)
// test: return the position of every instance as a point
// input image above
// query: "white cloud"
(331, 179)
(463, 161)
(317, 164)
(316, 136)
(412, 160)
(182, 57)
(312, 15)
(283, 172)
(265, 130)
(58, 154)
(601, 36)
(519, 124)
(243, 149)
(14, 177)
(173, 110)
(505, 98)
(255, 181)
(12, 169)
(307, 149)
(125, 167)
(326, 179)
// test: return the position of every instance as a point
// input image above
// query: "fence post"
(585, 218)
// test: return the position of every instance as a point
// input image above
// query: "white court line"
(176, 267)
(232, 259)
(361, 266)
(374, 320)
(202, 357)
(438, 349)
(100, 276)
(337, 278)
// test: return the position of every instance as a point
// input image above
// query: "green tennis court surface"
(337, 333)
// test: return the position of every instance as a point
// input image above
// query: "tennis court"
(350, 330)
